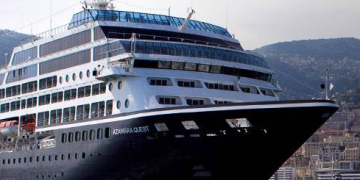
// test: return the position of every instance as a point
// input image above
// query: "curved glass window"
(197, 52)
(135, 17)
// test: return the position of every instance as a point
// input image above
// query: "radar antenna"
(98, 4)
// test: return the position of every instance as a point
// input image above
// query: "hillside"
(8, 40)
(307, 61)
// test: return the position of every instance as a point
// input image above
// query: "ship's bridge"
(136, 17)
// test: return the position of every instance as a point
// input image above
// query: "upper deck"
(145, 18)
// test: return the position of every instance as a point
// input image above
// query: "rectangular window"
(98, 109)
(167, 100)
(55, 116)
(95, 89)
(69, 114)
(47, 83)
(70, 94)
(57, 97)
(15, 106)
(109, 107)
(44, 100)
(102, 88)
(81, 92)
(31, 102)
(87, 91)
(13, 91)
(2, 93)
(43, 119)
(83, 112)
(23, 104)
(218, 86)
(189, 84)
(65, 43)
(159, 82)
(195, 102)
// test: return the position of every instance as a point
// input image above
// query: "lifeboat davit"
(9, 128)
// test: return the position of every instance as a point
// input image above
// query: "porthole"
(69, 156)
(63, 157)
(119, 85)
(76, 156)
(88, 73)
(56, 157)
(83, 155)
(118, 104)
(111, 86)
(67, 78)
(74, 77)
(127, 103)
(60, 79)
(81, 75)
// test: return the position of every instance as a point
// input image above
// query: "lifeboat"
(9, 128)
(30, 126)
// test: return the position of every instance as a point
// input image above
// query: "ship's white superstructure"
(86, 56)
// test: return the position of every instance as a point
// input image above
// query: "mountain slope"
(8, 40)
(308, 60)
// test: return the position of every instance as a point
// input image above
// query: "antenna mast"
(51, 14)
(327, 84)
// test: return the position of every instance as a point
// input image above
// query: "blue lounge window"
(150, 47)
(151, 19)
(172, 51)
(123, 17)
(157, 48)
(164, 20)
(137, 18)
(186, 50)
(157, 19)
(144, 18)
(140, 47)
(129, 17)
(164, 49)
(109, 16)
(116, 16)
(179, 50)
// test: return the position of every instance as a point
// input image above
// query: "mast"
(327, 84)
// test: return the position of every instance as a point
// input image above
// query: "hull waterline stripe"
(194, 110)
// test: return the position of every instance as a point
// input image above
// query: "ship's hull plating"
(136, 150)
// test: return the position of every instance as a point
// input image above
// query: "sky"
(254, 22)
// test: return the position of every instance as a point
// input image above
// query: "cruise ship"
(123, 95)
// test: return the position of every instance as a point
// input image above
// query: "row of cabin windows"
(54, 97)
(80, 112)
(203, 68)
(43, 159)
(195, 102)
(16, 105)
(167, 82)
(15, 90)
(28, 87)
(223, 102)
(219, 86)
(176, 100)
(86, 135)
(216, 86)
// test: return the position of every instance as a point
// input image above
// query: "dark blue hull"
(136, 150)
